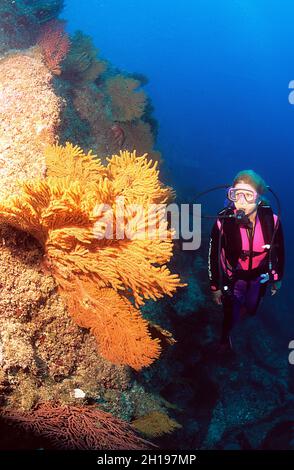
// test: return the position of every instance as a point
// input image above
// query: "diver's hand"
(275, 287)
(217, 297)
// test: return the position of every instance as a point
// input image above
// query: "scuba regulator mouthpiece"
(242, 218)
(240, 214)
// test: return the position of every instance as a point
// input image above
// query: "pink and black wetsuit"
(244, 257)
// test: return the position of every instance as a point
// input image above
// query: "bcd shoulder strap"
(266, 217)
(232, 241)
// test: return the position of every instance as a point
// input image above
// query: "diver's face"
(242, 203)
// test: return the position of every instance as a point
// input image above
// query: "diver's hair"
(254, 179)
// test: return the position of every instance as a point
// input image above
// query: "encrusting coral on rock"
(29, 117)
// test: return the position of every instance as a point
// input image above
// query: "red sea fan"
(78, 427)
(54, 44)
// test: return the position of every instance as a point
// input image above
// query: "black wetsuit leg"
(245, 294)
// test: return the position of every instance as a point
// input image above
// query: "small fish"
(118, 135)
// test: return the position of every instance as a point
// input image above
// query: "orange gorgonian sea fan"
(126, 102)
(107, 258)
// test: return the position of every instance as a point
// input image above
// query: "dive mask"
(234, 194)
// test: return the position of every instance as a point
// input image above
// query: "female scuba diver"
(246, 252)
